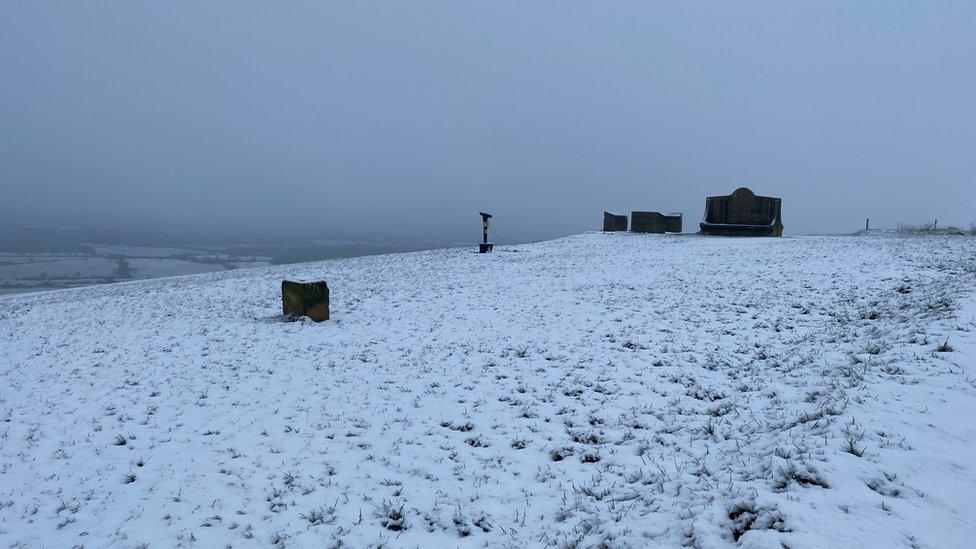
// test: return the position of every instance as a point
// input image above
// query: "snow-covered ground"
(39, 272)
(602, 389)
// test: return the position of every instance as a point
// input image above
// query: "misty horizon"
(351, 119)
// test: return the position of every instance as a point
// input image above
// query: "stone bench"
(742, 213)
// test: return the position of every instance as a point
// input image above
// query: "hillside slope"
(621, 389)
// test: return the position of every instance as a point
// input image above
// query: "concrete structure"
(742, 213)
(614, 222)
(309, 299)
(655, 222)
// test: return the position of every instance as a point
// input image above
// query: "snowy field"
(99, 267)
(46, 271)
(599, 390)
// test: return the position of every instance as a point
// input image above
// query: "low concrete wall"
(614, 222)
(655, 222)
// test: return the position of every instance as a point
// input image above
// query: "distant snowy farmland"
(47, 271)
(612, 390)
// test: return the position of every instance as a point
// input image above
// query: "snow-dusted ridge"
(616, 389)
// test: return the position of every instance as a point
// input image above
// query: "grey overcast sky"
(412, 116)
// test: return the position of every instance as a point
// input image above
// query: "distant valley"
(39, 259)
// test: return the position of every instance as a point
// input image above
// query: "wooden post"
(867, 222)
(935, 225)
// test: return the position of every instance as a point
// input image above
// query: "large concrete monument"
(742, 213)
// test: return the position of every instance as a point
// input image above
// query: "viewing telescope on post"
(485, 246)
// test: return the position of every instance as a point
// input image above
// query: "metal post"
(867, 222)
(485, 246)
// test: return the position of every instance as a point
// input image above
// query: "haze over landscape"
(249, 295)
(351, 120)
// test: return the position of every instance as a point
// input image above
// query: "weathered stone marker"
(309, 299)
